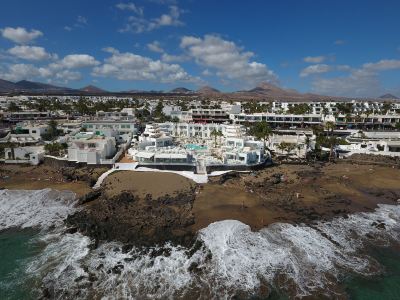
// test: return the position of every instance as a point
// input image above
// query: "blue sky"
(349, 48)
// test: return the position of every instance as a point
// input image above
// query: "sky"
(344, 48)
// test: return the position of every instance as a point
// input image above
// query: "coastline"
(25, 177)
(118, 227)
(297, 193)
(290, 193)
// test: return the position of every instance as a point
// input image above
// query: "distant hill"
(26, 85)
(269, 91)
(263, 92)
(30, 86)
(181, 90)
(208, 90)
(7, 86)
(388, 96)
(93, 89)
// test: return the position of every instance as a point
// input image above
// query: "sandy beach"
(142, 183)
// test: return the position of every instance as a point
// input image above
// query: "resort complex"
(193, 134)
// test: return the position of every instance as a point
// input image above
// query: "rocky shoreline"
(148, 209)
(136, 220)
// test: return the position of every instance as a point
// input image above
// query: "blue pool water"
(195, 147)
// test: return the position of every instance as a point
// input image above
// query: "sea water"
(354, 256)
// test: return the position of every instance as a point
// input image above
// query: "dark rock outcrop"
(140, 221)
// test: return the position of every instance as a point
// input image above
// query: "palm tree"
(332, 141)
(219, 134)
(325, 111)
(262, 131)
(52, 128)
(317, 130)
(308, 142)
(329, 126)
(290, 147)
(281, 146)
(175, 120)
(214, 133)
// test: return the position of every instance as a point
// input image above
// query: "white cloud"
(362, 82)
(382, 65)
(315, 69)
(110, 50)
(155, 47)
(130, 7)
(61, 71)
(343, 68)
(18, 72)
(74, 61)
(31, 53)
(130, 66)
(66, 75)
(229, 60)
(339, 42)
(314, 59)
(207, 72)
(20, 35)
(173, 58)
(80, 22)
(356, 85)
(139, 24)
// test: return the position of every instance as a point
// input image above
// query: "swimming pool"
(195, 147)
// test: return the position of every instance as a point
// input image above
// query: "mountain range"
(264, 91)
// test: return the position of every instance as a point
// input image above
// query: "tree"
(290, 147)
(286, 147)
(158, 111)
(52, 129)
(386, 107)
(329, 126)
(175, 120)
(220, 134)
(262, 131)
(281, 146)
(332, 142)
(214, 133)
(307, 142)
(55, 149)
(82, 107)
(13, 107)
(325, 111)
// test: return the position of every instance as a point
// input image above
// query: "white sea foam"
(302, 259)
(309, 259)
(40, 208)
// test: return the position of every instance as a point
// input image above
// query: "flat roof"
(170, 155)
(144, 154)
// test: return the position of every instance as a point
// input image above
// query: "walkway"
(198, 178)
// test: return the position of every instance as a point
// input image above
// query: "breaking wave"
(228, 258)
(39, 208)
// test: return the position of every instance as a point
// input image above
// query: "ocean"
(356, 257)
